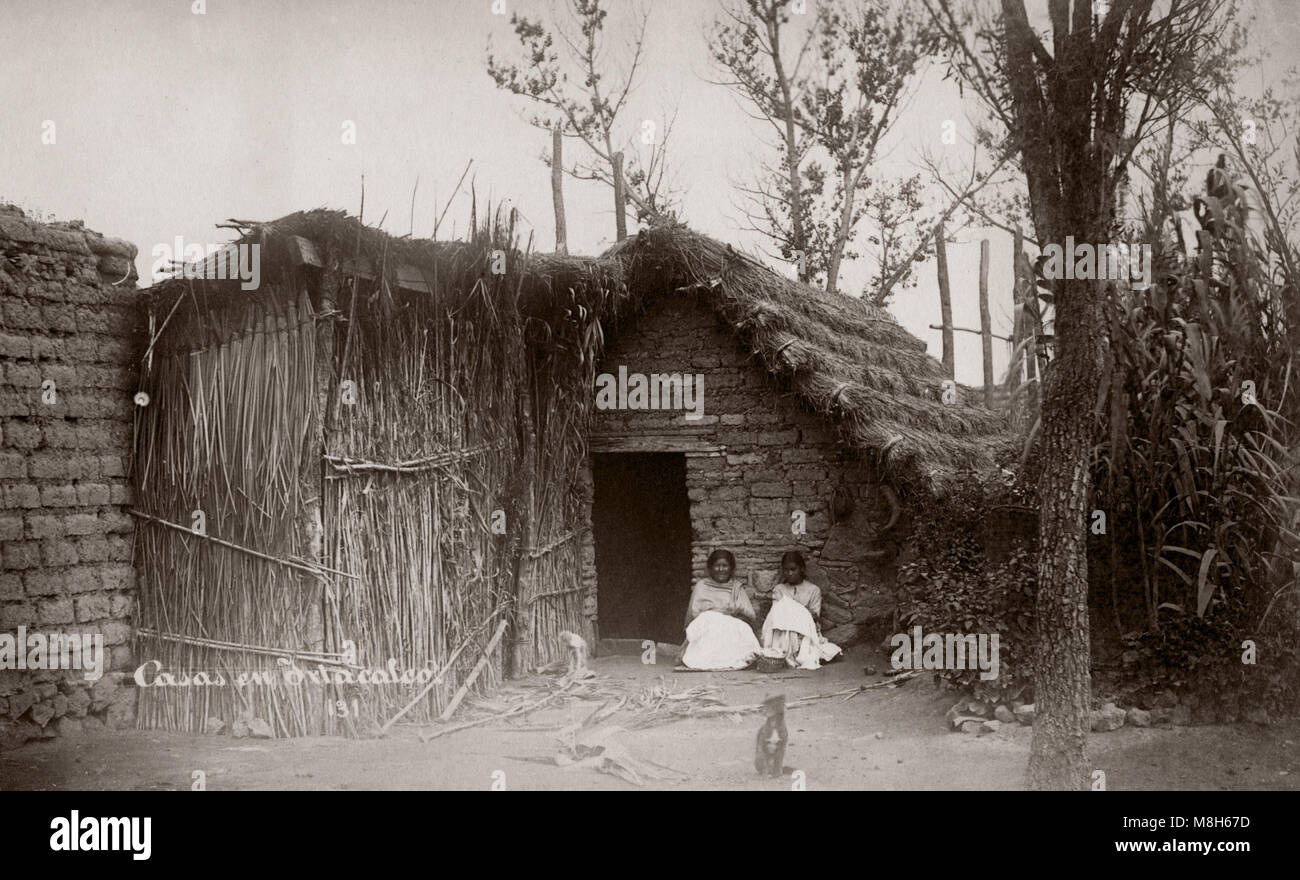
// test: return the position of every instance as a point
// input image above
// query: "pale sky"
(166, 122)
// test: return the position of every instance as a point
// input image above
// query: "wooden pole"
(945, 302)
(522, 653)
(557, 191)
(326, 628)
(986, 323)
(620, 198)
(1027, 299)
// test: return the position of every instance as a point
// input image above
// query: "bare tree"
(896, 262)
(868, 54)
(582, 94)
(831, 103)
(898, 236)
(763, 59)
(1075, 114)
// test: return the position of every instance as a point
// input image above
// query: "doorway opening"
(641, 526)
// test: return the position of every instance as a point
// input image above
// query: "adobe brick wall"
(69, 314)
(777, 456)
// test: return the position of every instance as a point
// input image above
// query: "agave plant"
(1199, 461)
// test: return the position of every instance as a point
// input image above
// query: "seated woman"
(717, 634)
(791, 624)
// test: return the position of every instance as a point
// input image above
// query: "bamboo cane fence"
(376, 465)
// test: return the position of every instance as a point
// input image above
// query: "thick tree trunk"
(1062, 678)
(1071, 193)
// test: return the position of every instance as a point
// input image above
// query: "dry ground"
(880, 739)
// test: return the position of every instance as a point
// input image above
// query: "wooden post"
(522, 652)
(986, 323)
(326, 627)
(1015, 369)
(945, 302)
(557, 191)
(620, 198)
(1026, 298)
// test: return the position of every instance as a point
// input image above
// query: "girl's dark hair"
(794, 556)
(722, 554)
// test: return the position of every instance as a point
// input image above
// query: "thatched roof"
(849, 360)
(538, 285)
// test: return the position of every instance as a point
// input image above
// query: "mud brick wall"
(772, 456)
(69, 315)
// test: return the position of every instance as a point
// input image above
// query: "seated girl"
(717, 634)
(791, 624)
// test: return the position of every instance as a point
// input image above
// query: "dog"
(769, 750)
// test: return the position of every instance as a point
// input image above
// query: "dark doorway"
(641, 523)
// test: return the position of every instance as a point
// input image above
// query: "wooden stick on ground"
(474, 673)
(518, 710)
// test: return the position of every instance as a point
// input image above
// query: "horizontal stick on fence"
(538, 552)
(218, 645)
(317, 570)
(441, 459)
(969, 330)
(567, 591)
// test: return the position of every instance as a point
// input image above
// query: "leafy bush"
(1200, 661)
(954, 588)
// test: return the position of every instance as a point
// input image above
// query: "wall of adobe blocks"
(70, 314)
(779, 456)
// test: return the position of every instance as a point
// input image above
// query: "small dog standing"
(769, 752)
(576, 654)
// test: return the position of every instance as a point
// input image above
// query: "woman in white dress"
(718, 635)
(791, 624)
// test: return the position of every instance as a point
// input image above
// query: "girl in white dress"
(791, 624)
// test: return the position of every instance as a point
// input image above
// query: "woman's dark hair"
(794, 556)
(722, 554)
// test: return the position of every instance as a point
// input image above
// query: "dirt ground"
(886, 739)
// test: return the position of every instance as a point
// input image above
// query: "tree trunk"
(945, 302)
(798, 235)
(620, 198)
(557, 191)
(986, 323)
(842, 229)
(1062, 678)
